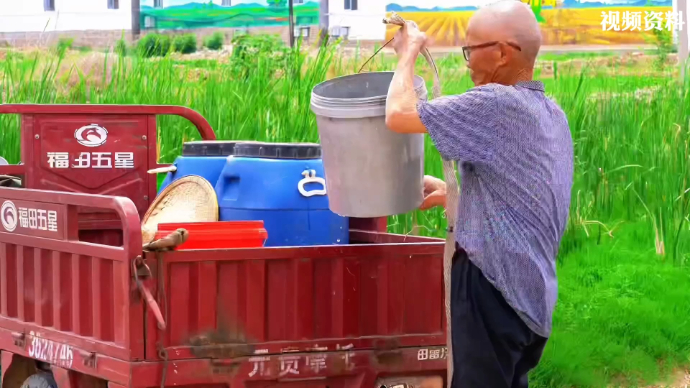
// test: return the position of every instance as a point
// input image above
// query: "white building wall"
(364, 24)
(69, 15)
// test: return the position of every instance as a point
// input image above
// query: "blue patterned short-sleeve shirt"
(515, 155)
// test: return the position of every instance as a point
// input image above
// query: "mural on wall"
(186, 14)
(563, 21)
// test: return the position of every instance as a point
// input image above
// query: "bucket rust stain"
(225, 369)
(219, 344)
(223, 351)
(387, 353)
(338, 365)
(391, 359)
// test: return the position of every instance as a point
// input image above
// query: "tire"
(40, 380)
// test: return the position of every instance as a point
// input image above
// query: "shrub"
(185, 44)
(215, 41)
(260, 52)
(153, 45)
(64, 44)
(664, 46)
(121, 47)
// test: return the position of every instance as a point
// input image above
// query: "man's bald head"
(511, 21)
(503, 42)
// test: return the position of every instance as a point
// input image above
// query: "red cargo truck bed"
(324, 316)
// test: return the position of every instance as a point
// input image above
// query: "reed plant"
(630, 133)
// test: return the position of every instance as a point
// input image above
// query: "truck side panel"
(273, 300)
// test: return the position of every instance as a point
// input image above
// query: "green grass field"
(623, 314)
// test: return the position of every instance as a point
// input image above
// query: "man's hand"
(401, 104)
(434, 193)
(409, 41)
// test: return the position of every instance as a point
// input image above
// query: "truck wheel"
(40, 380)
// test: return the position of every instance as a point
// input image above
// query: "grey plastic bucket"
(370, 170)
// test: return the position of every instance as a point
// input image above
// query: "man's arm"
(401, 104)
(463, 127)
(466, 127)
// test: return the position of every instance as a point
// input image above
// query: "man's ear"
(506, 54)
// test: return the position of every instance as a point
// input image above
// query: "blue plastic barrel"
(284, 185)
(202, 158)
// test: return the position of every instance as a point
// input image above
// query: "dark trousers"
(492, 346)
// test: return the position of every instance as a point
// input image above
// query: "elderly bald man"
(515, 155)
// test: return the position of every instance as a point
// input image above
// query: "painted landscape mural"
(186, 14)
(564, 22)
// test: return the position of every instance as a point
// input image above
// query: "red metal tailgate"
(64, 301)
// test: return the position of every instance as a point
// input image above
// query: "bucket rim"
(373, 99)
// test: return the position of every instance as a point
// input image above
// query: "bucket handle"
(310, 177)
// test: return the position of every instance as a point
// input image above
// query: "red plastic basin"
(218, 235)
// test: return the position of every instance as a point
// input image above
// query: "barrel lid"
(212, 147)
(278, 150)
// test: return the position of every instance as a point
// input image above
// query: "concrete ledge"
(103, 39)
(88, 38)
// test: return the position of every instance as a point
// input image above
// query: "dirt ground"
(681, 379)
